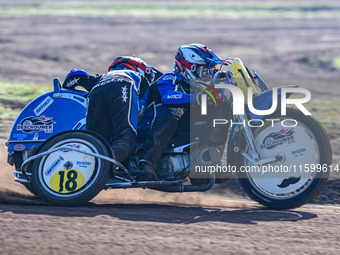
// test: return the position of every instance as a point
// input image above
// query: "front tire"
(68, 177)
(306, 152)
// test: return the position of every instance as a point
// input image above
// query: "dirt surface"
(222, 221)
(150, 222)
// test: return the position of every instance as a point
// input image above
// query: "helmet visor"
(203, 72)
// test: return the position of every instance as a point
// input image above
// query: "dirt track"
(149, 222)
(237, 228)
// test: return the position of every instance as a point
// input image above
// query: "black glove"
(80, 78)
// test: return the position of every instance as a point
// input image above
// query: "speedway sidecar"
(67, 166)
(58, 160)
(47, 115)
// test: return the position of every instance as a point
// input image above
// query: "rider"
(113, 101)
(169, 99)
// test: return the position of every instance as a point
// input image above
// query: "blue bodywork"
(47, 115)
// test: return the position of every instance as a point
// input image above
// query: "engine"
(180, 165)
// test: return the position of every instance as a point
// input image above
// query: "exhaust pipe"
(188, 188)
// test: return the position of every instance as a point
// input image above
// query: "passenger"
(113, 101)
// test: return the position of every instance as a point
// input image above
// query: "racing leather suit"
(167, 104)
(113, 106)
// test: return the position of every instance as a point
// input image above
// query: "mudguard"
(47, 115)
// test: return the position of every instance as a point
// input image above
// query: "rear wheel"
(305, 156)
(67, 177)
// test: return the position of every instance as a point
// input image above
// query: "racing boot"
(158, 138)
(148, 171)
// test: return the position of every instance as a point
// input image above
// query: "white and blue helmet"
(192, 61)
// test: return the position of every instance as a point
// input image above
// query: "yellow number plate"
(66, 181)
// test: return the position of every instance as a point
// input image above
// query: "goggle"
(204, 73)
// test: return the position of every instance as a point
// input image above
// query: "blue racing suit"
(166, 96)
(166, 106)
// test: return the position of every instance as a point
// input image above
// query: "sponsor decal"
(54, 165)
(277, 138)
(298, 152)
(177, 112)
(19, 147)
(72, 83)
(36, 124)
(19, 136)
(43, 106)
(176, 96)
(168, 78)
(76, 146)
(83, 164)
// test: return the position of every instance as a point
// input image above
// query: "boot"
(159, 136)
(148, 171)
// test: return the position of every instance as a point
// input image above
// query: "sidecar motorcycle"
(58, 160)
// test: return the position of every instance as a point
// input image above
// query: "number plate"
(66, 181)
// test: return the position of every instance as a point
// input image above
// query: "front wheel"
(66, 177)
(304, 156)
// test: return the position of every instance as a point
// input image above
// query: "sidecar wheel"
(305, 154)
(67, 177)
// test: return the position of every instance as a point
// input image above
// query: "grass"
(200, 9)
(17, 93)
(8, 113)
(21, 92)
(327, 112)
(336, 63)
(322, 61)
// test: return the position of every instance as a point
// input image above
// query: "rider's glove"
(222, 74)
(80, 78)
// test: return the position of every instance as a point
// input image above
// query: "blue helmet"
(193, 61)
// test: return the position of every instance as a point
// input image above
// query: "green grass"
(12, 93)
(21, 92)
(322, 61)
(336, 62)
(204, 9)
(325, 111)
(8, 113)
